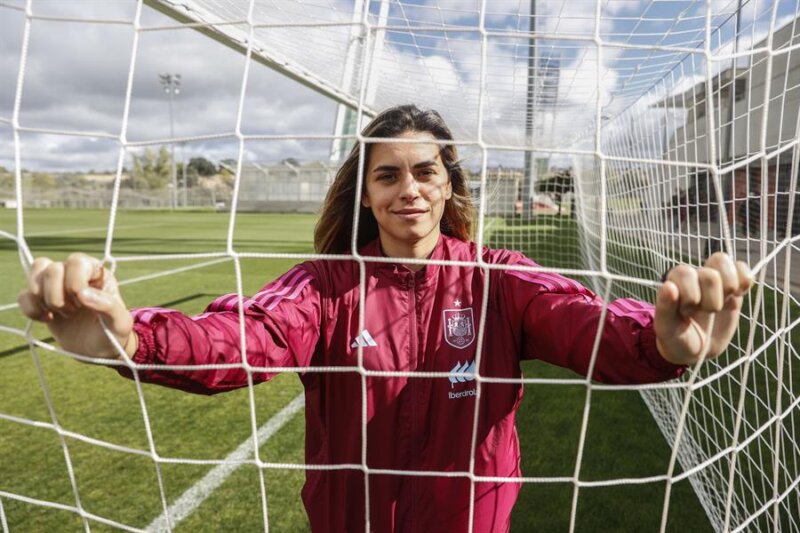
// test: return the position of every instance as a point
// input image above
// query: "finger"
(712, 296)
(110, 307)
(667, 312)
(725, 325)
(704, 323)
(81, 270)
(686, 280)
(745, 277)
(37, 267)
(677, 342)
(52, 287)
(31, 306)
(728, 319)
(724, 265)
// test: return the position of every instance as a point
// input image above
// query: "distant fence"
(69, 197)
(284, 188)
(279, 188)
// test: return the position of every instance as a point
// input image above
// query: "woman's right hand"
(72, 298)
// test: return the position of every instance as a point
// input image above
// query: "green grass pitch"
(623, 440)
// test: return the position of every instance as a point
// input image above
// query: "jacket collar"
(399, 271)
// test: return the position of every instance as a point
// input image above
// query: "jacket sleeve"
(559, 318)
(281, 329)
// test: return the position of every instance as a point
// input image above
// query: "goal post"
(657, 134)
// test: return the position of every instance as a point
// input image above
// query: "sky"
(76, 72)
(76, 76)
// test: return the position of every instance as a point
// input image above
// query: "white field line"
(178, 270)
(8, 307)
(93, 229)
(194, 496)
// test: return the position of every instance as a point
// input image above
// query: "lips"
(409, 211)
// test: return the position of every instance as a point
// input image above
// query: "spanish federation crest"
(459, 327)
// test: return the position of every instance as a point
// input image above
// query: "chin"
(418, 234)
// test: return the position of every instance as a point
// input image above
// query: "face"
(407, 186)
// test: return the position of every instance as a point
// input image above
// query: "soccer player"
(415, 204)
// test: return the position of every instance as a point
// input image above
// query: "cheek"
(377, 199)
(439, 195)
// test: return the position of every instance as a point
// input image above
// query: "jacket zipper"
(414, 430)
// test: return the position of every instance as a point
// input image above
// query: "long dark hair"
(333, 232)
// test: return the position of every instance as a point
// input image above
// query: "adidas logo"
(466, 368)
(364, 339)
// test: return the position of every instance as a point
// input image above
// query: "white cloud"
(76, 74)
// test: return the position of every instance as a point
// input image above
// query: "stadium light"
(529, 177)
(172, 86)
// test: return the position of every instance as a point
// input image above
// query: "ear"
(448, 191)
(365, 200)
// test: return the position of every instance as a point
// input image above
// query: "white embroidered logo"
(459, 327)
(467, 368)
(364, 339)
(467, 371)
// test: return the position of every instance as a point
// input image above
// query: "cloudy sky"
(82, 53)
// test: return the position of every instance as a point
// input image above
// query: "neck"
(421, 249)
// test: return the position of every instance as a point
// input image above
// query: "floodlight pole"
(529, 173)
(183, 173)
(172, 86)
(728, 186)
(731, 153)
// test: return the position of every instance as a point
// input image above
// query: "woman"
(415, 205)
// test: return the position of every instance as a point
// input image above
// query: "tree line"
(151, 170)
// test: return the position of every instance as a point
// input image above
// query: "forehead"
(406, 152)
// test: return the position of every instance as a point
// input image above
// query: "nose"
(409, 188)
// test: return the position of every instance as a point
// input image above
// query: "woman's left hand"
(687, 302)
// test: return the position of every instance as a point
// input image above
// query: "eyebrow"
(386, 168)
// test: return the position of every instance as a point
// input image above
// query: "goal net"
(607, 140)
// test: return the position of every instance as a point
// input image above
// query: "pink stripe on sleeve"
(525, 261)
(277, 284)
(551, 283)
(201, 316)
(300, 284)
(222, 303)
(298, 273)
(631, 308)
(145, 314)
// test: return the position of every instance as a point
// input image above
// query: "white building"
(288, 186)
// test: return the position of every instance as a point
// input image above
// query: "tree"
(230, 163)
(73, 180)
(201, 166)
(6, 180)
(560, 182)
(152, 170)
(43, 180)
(227, 177)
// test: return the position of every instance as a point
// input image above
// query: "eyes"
(423, 174)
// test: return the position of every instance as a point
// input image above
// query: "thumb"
(667, 317)
(110, 307)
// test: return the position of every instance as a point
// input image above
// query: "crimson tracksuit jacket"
(425, 321)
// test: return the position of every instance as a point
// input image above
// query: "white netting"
(675, 123)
